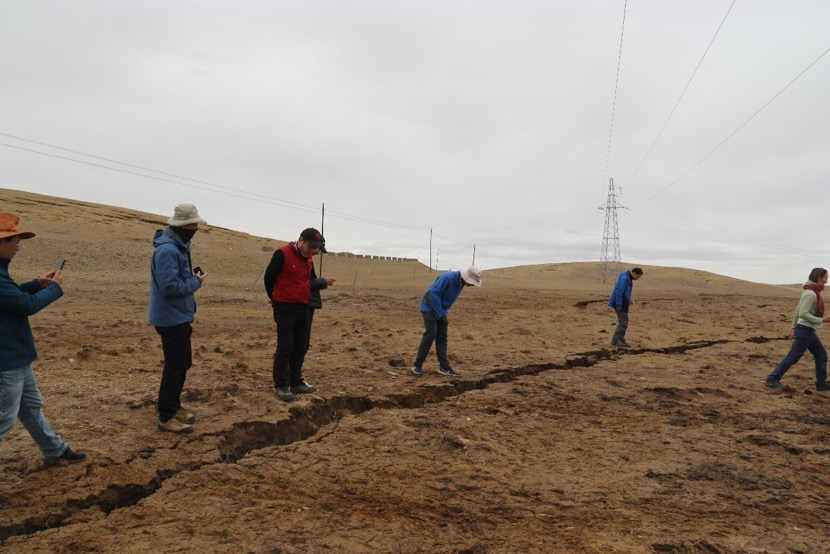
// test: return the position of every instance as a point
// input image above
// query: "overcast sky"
(485, 121)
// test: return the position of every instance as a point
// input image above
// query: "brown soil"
(550, 441)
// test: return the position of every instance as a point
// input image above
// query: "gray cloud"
(485, 121)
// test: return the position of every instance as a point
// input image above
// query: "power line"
(614, 102)
(741, 126)
(134, 166)
(219, 189)
(681, 95)
(204, 185)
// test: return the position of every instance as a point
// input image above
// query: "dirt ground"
(549, 441)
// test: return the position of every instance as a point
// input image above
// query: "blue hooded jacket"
(621, 295)
(17, 303)
(172, 282)
(441, 294)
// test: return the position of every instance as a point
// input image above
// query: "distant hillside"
(109, 246)
(574, 275)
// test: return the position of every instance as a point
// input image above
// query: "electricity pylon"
(609, 258)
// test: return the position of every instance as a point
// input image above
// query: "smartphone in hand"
(59, 264)
(197, 270)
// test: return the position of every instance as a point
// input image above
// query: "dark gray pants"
(622, 325)
(435, 330)
(292, 343)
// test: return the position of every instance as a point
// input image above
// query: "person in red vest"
(288, 289)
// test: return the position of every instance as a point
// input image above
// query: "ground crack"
(304, 422)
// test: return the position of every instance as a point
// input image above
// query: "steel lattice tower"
(609, 258)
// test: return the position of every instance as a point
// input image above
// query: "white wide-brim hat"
(472, 275)
(185, 214)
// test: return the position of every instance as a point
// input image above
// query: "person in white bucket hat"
(173, 282)
(435, 302)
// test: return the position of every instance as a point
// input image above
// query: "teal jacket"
(17, 303)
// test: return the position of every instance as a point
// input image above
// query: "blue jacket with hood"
(621, 295)
(441, 294)
(172, 282)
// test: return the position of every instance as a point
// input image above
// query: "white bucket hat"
(472, 275)
(185, 214)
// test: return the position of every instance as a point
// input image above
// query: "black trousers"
(178, 357)
(292, 343)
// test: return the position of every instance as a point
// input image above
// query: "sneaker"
(303, 388)
(823, 386)
(173, 425)
(623, 344)
(416, 369)
(69, 456)
(184, 416)
(285, 394)
(448, 371)
(774, 383)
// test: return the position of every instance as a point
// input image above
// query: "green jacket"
(805, 312)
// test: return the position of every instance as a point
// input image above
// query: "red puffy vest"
(292, 282)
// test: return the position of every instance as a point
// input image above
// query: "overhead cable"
(178, 180)
(614, 102)
(741, 126)
(681, 95)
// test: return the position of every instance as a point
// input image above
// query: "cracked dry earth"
(550, 441)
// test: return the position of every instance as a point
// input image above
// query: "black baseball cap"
(313, 237)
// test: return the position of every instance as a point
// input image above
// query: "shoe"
(623, 344)
(774, 383)
(285, 394)
(416, 369)
(184, 416)
(69, 456)
(173, 425)
(448, 371)
(823, 386)
(303, 388)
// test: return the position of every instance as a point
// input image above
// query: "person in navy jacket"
(19, 395)
(172, 309)
(435, 302)
(621, 300)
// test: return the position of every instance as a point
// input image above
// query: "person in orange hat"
(19, 395)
